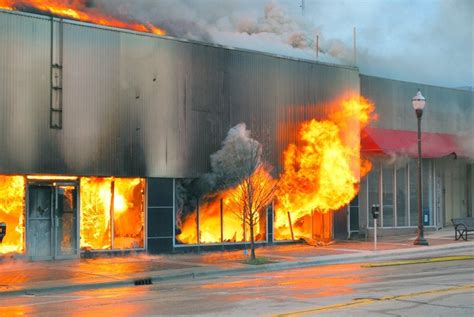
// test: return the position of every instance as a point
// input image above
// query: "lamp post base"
(420, 241)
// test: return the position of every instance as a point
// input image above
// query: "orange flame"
(96, 198)
(12, 207)
(322, 173)
(234, 229)
(78, 10)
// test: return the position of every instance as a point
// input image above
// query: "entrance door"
(40, 216)
(52, 221)
(65, 221)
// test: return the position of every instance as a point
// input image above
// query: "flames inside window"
(112, 213)
(12, 213)
(293, 226)
(214, 217)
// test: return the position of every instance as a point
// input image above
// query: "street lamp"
(418, 103)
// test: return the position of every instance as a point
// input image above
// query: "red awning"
(400, 142)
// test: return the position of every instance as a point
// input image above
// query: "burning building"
(105, 133)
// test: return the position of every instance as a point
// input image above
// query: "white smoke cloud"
(238, 156)
(429, 41)
(466, 144)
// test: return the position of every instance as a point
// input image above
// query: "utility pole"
(302, 6)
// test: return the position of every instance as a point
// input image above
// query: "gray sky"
(428, 41)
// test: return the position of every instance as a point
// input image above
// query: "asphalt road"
(428, 289)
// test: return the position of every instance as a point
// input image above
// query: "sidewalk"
(21, 277)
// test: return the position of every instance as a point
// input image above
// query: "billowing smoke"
(257, 25)
(466, 144)
(239, 155)
(422, 40)
(429, 43)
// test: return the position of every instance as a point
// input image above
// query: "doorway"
(52, 221)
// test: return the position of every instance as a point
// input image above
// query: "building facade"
(100, 128)
(391, 142)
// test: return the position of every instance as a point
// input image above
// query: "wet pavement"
(17, 276)
(433, 289)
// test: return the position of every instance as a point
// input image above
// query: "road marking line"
(420, 261)
(366, 301)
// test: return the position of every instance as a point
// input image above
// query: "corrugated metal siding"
(447, 110)
(24, 91)
(92, 114)
(147, 106)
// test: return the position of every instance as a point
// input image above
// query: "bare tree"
(239, 164)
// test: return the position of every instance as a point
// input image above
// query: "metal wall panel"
(140, 105)
(447, 110)
(24, 92)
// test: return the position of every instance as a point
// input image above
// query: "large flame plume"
(12, 213)
(321, 173)
(97, 208)
(78, 10)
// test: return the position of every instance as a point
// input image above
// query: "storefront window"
(387, 198)
(117, 199)
(217, 217)
(210, 220)
(402, 198)
(128, 213)
(95, 197)
(427, 190)
(186, 230)
(404, 177)
(413, 193)
(12, 208)
(233, 223)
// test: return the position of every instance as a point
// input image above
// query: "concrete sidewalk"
(21, 277)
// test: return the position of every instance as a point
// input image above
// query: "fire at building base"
(57, 216)
(117, 128)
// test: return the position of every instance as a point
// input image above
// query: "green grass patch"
(257, 261)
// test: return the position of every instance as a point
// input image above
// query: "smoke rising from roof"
(423, 41)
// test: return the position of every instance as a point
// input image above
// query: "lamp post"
(418, 103)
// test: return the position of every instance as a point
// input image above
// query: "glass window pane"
(128, 211)
(427, 189)
(413, 193)
(402, 215)
(66, 220)
(233, 222)
(210, 220)
(355, 201)
(387, 179)
(12, 206)
(95, 197)
(261, 225)
(186, 211)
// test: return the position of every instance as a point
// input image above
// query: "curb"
(419, 261)
(315, 261)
